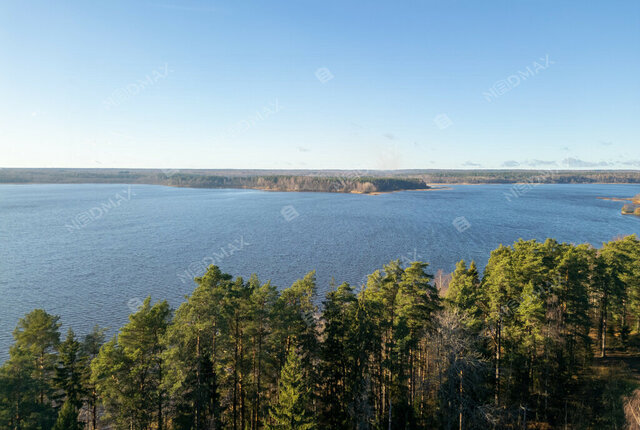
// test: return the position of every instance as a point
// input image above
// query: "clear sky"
(320, 84)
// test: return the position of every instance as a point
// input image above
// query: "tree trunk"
(235, 377)
(94, 411)
(498, 356)
(160, 399)
(197, 399)
(604, 331)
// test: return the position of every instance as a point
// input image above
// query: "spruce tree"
(69, 371)
(291, 410)
(67, 417)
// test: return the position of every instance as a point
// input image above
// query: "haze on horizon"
(320, 85)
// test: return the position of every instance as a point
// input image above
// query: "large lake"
(90, 253)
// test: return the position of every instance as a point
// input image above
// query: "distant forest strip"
(366, 181)
(523, 345)
(349, 183)
(531, 176)
(300, 183)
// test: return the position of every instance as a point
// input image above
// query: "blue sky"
(320, 84)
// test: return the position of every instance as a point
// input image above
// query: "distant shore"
(334, 181)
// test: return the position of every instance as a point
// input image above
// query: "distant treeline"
(300, 183)
(511, 348)
(348, 183)
(531, 176)
(315, 180)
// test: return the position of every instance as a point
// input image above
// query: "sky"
(320, 84)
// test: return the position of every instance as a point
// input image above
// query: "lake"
(91, 253)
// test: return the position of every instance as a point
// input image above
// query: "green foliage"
(128, 370)
(342, 354)
(291, 410)
(312, 181)
(464, 294)
(90, 348)
(29, 371)
(68, 376)
(19, 407)
(67, 418)
(516, 341)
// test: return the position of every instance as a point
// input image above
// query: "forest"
(341, 181)
(338, 182)
(546, 336)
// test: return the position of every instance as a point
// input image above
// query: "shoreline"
(438, 186)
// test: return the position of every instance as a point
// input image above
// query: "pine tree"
(36, 338)
(261, 349)
(291, 410)
(464, 294)
(296, 321)
(194, 356)
(67, 417)
(339, 368)
(90, 349)
(128, 371)
(19, 407)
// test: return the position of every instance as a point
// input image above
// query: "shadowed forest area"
(547, 337)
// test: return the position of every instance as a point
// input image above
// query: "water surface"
(90, 253)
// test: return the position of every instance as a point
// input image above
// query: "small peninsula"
(326, 184)
(632, 208)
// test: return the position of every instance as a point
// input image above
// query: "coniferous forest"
(545, 337)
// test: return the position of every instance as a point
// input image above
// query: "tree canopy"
(518, 345)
